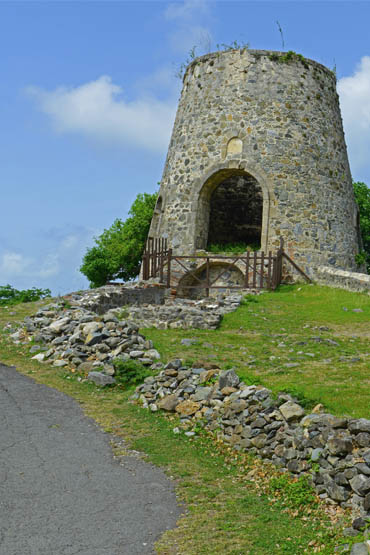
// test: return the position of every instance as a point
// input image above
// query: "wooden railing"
(260, 270)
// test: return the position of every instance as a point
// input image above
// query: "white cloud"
(191, 20)
(354, 93)
(54, 266)
(185, 38)
(186, 10)
(98, 111)
(12, 264)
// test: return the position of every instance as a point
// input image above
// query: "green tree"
(118, 250)
(362, 195)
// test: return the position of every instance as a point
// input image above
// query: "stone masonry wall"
(352, 281)
(247, 112)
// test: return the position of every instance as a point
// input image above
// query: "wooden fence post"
(169, 257)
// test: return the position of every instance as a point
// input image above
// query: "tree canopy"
(362, 195)
(118, 250)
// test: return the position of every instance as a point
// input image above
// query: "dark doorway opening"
(235, 216)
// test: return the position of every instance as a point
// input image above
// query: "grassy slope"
(276, 329)
(227, 511)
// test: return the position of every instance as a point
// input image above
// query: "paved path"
(61, 491)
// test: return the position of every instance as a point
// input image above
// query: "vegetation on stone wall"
(118, 250)
(362, 195)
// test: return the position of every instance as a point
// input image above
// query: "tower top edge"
(276, 56)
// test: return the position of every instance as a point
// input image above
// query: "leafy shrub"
(11, 296)
(362, 195)
(118, 250)
(129, 372)
(296, 493)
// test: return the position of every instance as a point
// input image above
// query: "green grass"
(234, 504)
(231, 248)
(277, 329)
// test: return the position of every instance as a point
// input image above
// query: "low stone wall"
(104, 298)
(333, 451)
(352, 281)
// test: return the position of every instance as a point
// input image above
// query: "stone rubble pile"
(78, 338)
(335, 451)
(76, 334)
(184, 313)
(151, 306)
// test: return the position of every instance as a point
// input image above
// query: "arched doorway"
(230, 211)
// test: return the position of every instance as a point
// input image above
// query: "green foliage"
(222, 47)
(10, 296)
(362, 195)
(249, 299)
(288, 57)
(180, 72)
(233, 248)
(129, 372)
(296, 493)
(299, 397)
(360, 258)
(118, 250)
(234, 45)
(281, 35)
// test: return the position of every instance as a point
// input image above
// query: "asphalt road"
(61, 490)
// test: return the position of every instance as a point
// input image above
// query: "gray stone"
(60, 363)
(94, 339)
(39, 357)
(189, 342)
(168, 403)
(336, 492)
(339, 445)
(58, 325)
(291, 411)
(360, 484)
(174, 364)
(363, 439)
(136, 354)
(316, 454)
(100, 379)
(359, 523)
(85, 367)
(153, 354)
(92, 327)
(228, 378)
(202, 393)
(360, 425)
(359, 549)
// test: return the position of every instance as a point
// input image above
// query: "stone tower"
(258, 153)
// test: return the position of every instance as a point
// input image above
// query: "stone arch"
(237, 192)
(231, 277)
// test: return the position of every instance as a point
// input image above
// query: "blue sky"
(88, 96)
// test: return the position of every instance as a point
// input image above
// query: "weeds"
(296, 493)
(233, 248)
(129, 372)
